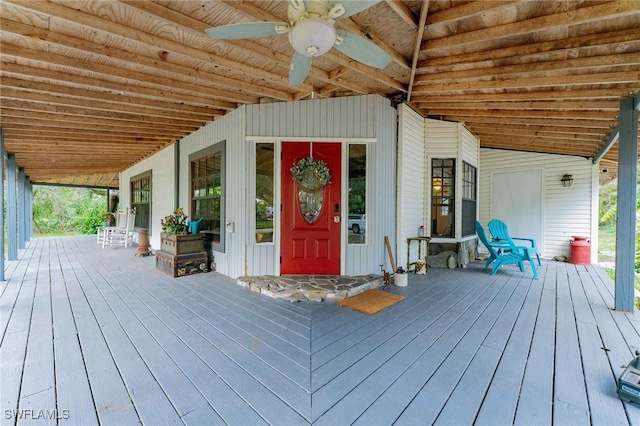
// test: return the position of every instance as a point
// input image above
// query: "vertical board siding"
(345, 117)
(411, 178)
(229, 128)
(441, 138)
(162, 186)
(369, 116)
(566, 211)
(470, 147)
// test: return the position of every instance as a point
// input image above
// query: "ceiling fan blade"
(352, 7)
(362, 50)
(245, 30)
(300, 66)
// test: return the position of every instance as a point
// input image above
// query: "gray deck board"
(420, 352)
(570, 404)
(536, 394)
(428, 403)
(501, 399)
(102, 336)
(110, 397)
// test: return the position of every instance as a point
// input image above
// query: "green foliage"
(64, 210)
(608, 210)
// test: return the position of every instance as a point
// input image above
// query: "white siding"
(336, 119)
(370, 118)
(411, 178)
(566, 211)
(163, 186)
(470, 146)
(340, 118)
(441, 138)
(229, 128)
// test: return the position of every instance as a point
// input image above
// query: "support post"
(29, 208)
(22, 220)
(12, 209)
(2, 203)
(626, 220)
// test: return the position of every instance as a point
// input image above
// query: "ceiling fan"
(312, 33)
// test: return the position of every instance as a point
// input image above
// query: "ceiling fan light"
(312, 36)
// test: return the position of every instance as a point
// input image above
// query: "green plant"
(175, 223)
(311, 173)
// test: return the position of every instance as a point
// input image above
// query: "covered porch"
(98, 336)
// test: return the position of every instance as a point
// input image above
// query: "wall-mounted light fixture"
(567, 180)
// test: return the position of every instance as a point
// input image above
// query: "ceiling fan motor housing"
(312, 36)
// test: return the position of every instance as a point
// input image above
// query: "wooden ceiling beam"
(79, 94)
(538, 83)
(211, 97)
(403, 11)
(132, 117)
(541, 95)
(473, 40)
(396, 57)
(88, 104)
(424, 9)
(595, 125)
(168, 47)
(593, 64)
(519, 133)
(574, 47)
(586, 104)
(147, 69)
(526, 127)
(468, 11)
(65, 128)
(520, 114)
(53, 119)
(546, 149)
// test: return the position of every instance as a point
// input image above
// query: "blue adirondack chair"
(510, 254)
(500, 233)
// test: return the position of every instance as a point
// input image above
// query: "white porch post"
(12, 212)
(28, 208)
(21, 211)
(2, 203)
(626, 221)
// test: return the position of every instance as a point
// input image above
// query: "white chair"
(121, 235)
(101, 231)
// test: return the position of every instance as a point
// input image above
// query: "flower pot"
(181, 244)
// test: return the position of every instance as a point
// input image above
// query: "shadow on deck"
(99, 337)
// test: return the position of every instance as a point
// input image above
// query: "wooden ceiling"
(90, 87)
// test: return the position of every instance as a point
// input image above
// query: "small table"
(419, 240)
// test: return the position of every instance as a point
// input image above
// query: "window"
(141, 199)
(264, 192)
(357, 221)
(469, 198)
(208, 193)
(443, 197)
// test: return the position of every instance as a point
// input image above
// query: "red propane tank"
(580, 253)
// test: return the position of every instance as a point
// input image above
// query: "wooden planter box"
(177, 244)
(181, 265)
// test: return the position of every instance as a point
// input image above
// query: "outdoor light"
(313, 36)
(567, 180)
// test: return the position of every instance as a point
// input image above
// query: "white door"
(516, 199)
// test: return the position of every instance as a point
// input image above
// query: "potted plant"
(174, 238)
(107, 218)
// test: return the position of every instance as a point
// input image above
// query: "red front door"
(310, 248)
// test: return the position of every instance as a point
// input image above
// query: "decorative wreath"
(311, 174)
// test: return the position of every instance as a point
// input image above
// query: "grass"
(607, 253)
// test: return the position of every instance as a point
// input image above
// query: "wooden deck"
(95, 336)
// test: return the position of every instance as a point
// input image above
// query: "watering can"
(194, 225)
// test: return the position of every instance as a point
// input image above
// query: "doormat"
(370, 301)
